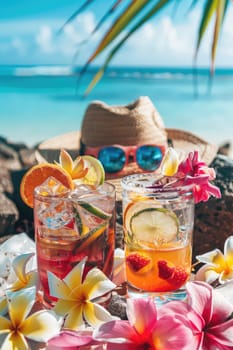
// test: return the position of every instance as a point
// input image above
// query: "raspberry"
(179, 277)
(137, 261)
(165, 271)
(175, 275)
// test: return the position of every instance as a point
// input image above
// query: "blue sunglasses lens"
(112, 158)
(149, 157)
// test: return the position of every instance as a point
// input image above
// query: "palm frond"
(134, 8)
(153, 11)
(209, 10)
(75, 14)
(118, 26)
(218, 25)
(103, 19)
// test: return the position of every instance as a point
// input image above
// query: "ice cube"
(56, 213)
(51, 186)
(81, 191)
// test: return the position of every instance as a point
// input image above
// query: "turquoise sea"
(39, 102)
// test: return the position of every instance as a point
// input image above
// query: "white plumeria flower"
(76, 296)
(217, 265)
(20, 328)
(24, 279)
(170, 162)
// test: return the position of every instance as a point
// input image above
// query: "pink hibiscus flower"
(144, 330)
(193, 171)
(208, 314)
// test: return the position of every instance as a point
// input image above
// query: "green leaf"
(76, 13)
(218, 24)
(98, 25)
(121, 22)
(153, 11)
(210, 8)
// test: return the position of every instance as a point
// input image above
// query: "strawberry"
(175, 275)
(136, 261)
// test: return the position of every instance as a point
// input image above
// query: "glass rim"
(128, 183)
(67, 192)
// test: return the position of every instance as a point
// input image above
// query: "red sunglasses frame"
(130, 152)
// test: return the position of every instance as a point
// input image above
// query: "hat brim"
(183, 141)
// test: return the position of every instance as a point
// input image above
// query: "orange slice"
(37, 175)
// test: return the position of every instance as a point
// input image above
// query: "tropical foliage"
(133, 14)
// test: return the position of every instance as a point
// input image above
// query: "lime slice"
(90, 237)
(94, 210)
(95, 175)
(154, 225)
(82, 229)
(134, 207)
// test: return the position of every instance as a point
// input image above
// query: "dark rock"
(8, 216)
(213, 224)
(224, 174)
(213, 219)
(117, 306)
(26, 213)
(5, 180)
(225, 149)
(7, 152)
(27, 157)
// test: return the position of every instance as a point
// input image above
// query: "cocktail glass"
(72, 225)
(158, 226)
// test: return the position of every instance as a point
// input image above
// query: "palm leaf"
(98, 25)
(118, 26)
(154, 10)
(75, 14)
(220, 15)
(121, 22)
(210, 8)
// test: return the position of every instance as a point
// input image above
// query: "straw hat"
(137, 123)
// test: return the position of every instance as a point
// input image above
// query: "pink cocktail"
(72, 225)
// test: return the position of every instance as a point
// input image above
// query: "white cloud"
(45, 39)
(162, 41)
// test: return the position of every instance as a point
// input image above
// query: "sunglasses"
(114, 158)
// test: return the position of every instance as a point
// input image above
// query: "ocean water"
(39, 102)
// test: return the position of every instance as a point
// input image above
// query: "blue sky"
(28, 36)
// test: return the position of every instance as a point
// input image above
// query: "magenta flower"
(208, 315)
(195, 172)
(145, 330)
(72, 340)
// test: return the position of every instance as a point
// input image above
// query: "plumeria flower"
(144, 329)
(24, 279)
(21, 328)
(208, 314)
(76, 296)
(170, 162)
(218, 266)
(193, 171)
(71, 340)
(75, 168)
